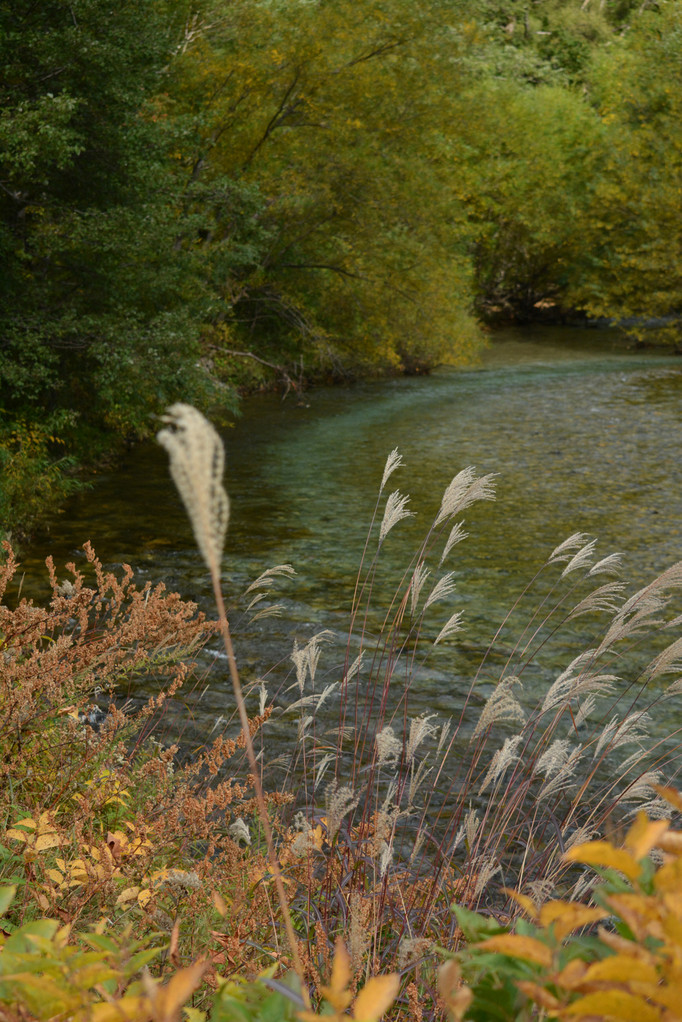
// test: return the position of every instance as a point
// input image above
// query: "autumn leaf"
(516, 946)
(376, 997)
(602, 853)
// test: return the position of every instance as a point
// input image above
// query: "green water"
(583, 433)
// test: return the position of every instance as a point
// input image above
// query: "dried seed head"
(197, 462)
(389, 748)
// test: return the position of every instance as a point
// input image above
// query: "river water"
(583, 433)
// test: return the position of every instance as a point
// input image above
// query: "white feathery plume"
(577, 837)
(421, 573)
(667, 662)
(577, 679)
(340, 800)
(354, 668)
(553, 758)
(393, 461)
(502, 759)
(608, 565)
(444, 735)
(306, 659)
(564, 551)
(585, 709)
(656, 809)
(416, 779)
(421, 728)
(501, 705)
(621, 732)
(322, 767)
(563, 777)
(451, 627)
(389, 748)
(263, 698)
(443, 587)
(264, 580)
(581, 559)
(457, 534)
(643, 788)
(485, 871)
(197, 464)
(385, 858)
(464, 490)
(394, 512)
(468, 829)
(602, 598)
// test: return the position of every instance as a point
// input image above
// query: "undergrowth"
(375, 822)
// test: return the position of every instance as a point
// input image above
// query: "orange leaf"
(539, 995)
(377, 995)
(219, 903)
(516, 946)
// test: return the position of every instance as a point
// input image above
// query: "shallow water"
(584, 436)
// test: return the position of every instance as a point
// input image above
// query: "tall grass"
(377, 815)
(397, 813)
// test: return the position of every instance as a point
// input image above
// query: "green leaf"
(7, 896)
(475, 927)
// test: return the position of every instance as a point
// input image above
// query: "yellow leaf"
(645, 835)
(571, 976)
(671, 795)
(127, 895)
(44, 841)
(17, 835)
(566, 916)
(621, 969)
(337, 992)
(376, 997)
(28, 821)
(170, 998)
(55, 875)
(602, 853)
(526, 903)
(615, 1004)
(515, 946)
(125, 1010)
(144, 897)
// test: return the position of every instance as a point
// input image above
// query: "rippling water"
(584, 435)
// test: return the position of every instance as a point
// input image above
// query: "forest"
(200, 197)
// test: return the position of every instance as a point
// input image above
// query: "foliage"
(339, 122)
(632, 234)
(629, 968)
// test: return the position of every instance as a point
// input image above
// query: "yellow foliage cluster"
(632, 968)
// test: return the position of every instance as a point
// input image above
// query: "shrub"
(629, 969)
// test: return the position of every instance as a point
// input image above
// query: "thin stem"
(262, 808)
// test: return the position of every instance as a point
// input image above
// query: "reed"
(396, 813)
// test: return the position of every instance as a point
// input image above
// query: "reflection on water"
(582, 433)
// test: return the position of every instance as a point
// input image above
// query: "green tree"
(634, 231)
(338, 114)
(100, 301)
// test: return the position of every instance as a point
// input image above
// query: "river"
(584, 436)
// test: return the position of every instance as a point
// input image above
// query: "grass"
(380, 817)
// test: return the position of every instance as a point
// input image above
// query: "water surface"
(583, 433)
